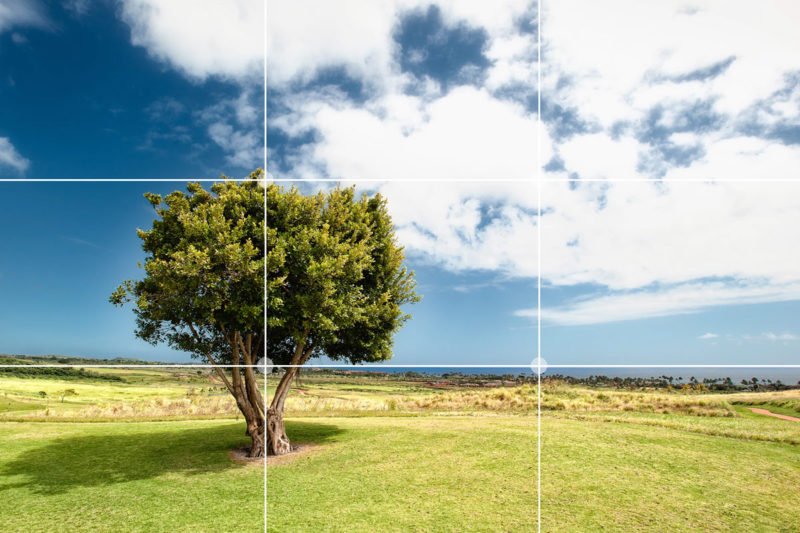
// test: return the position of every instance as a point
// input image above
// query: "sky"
(667, 145)
(654, 149)
(66, 247)
(136, 89)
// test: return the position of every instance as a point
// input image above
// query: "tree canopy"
(336, 280)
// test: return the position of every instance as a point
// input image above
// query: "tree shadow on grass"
(310, 432)
(98, 459)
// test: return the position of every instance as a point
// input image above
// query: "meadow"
(148, 449)
(389, 453)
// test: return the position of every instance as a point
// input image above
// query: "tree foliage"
(204, 270)
(336, 280)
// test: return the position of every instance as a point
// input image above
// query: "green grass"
(120, 477)
(407, 474)
(612, 476)
(393, 454)
(613, 460)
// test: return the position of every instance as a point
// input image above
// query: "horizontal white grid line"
(123, 180)
(535, 180)
(548, 366)
(404, 180)
(111, 365)
(444, 365)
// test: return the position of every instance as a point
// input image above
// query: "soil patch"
(297, 452)
(775, 415)
(239, 456)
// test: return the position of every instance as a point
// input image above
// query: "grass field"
(420, 456)
(150, 452)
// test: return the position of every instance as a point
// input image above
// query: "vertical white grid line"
(266, 375)
(539, 266)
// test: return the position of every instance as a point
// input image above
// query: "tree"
(203, 285)
(68, 392)
(335, 285)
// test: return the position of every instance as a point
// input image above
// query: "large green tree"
(203, 285)
(335, 285)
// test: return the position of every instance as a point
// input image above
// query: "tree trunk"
(277, 440)
(244, 385)
(248, 397)
(256, 432)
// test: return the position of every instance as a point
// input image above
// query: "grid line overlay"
(539, 181)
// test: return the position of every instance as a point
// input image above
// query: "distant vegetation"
(725, 384)
(26, 371)
(9, 359)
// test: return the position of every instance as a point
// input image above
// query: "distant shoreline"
(786, 375)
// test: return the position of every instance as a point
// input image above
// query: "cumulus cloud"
(357, 34)
(708, 336)
(650, 249)
(10, 157)
(403, 124)
(677, 91)
(399, 136)
(645, 71)
(467, 226)
(201, 38)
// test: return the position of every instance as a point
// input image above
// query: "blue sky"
(110, 90)
(66, 247)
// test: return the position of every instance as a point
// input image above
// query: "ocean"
(789, 376)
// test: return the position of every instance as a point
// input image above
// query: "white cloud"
(614, 50)
(676, 300)
(16, 13)
(235, 126)
(654, 249)
(651, 248)
(598, 156)
(408, 127)
(467, 226)
(244, 148)
(201, 38)
(78, 7)
(629, 235)
(708, 336)
(451, 137)
(357, 34)
(10, 157)
(615, 62)
(780, 337)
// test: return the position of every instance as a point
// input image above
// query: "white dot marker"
(265, 365)
(539, 366)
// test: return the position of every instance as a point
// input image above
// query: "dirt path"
(776, 415)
